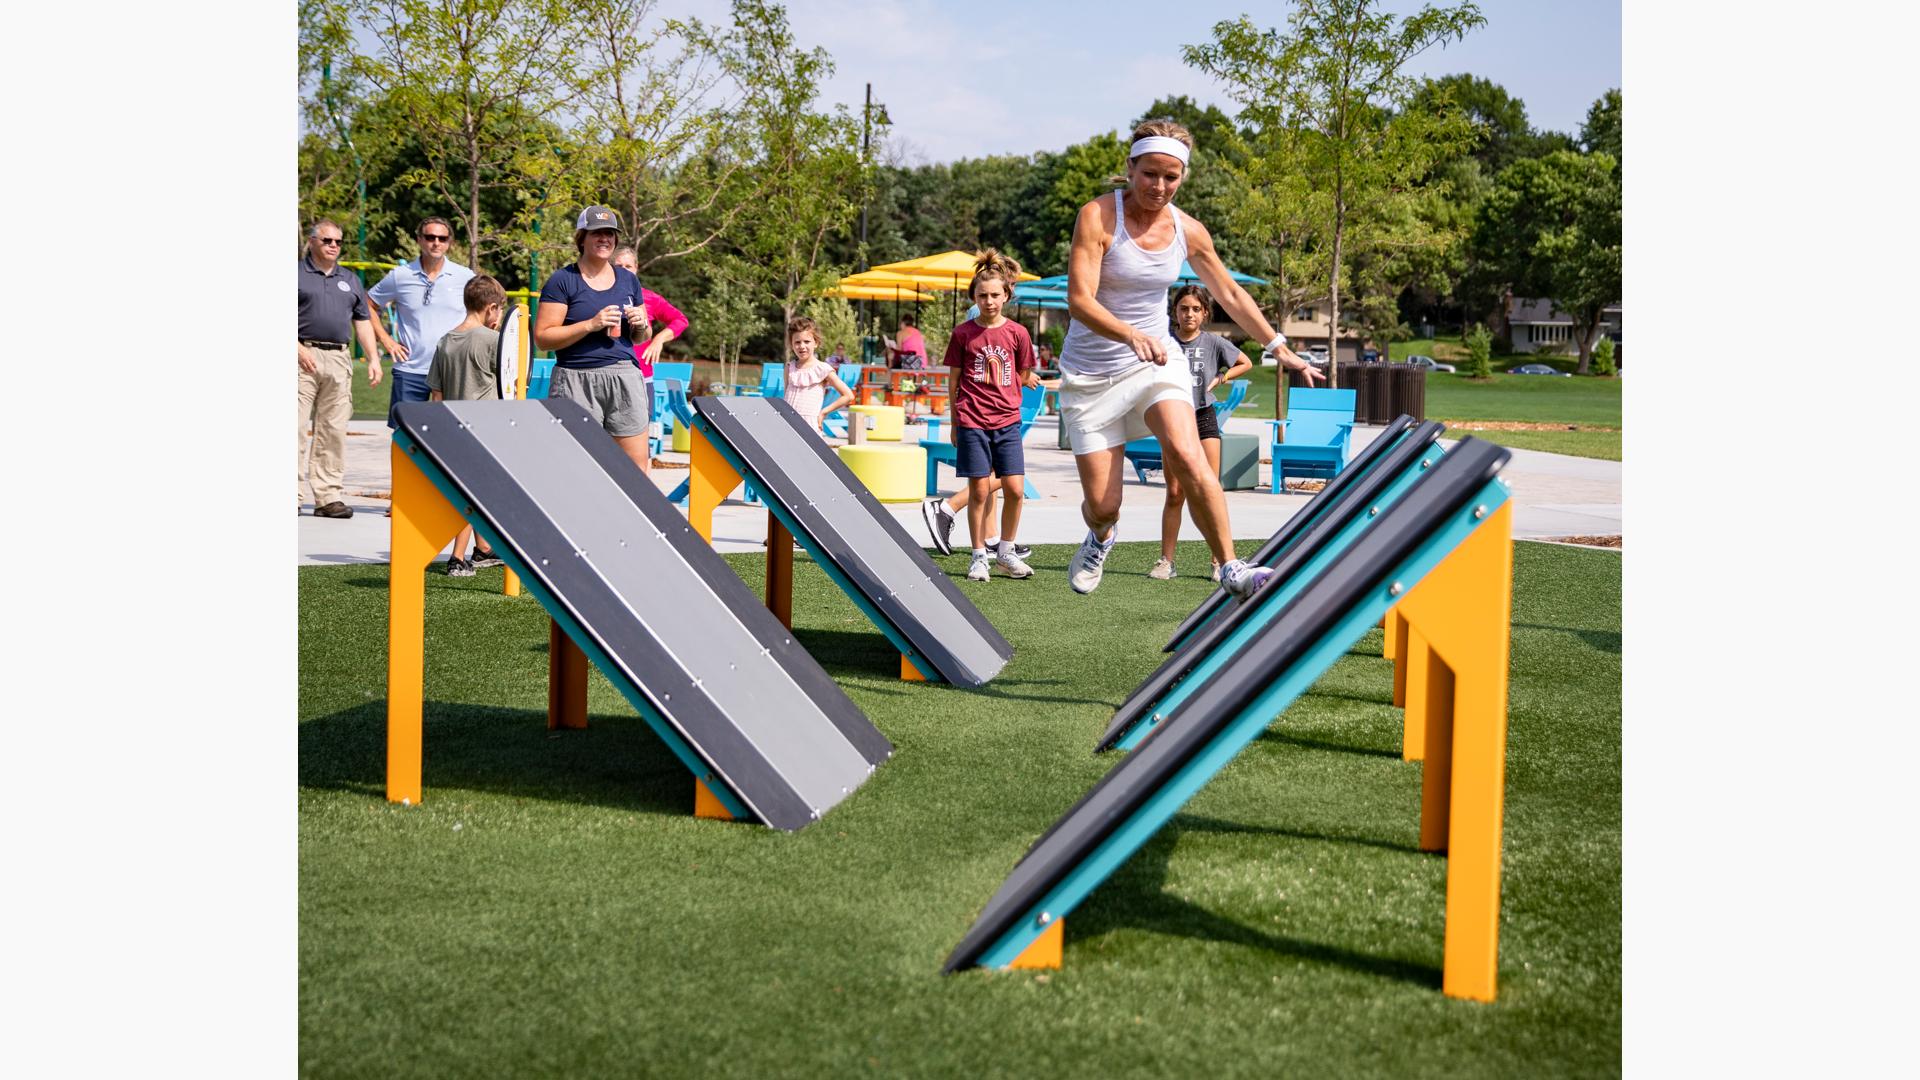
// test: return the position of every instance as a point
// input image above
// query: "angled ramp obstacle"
(1339, 522)
(1289, 532)
(766, 733)
(810, 495)
(1447, 543)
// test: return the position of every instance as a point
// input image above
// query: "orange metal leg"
(710, 480)
(1463, 611)
(566, 680)
(779, 571)
(1410, 678)
(705, 805)
(1044, 953)
(423, 522)
(908, 672)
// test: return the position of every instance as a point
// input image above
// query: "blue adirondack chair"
(940, 452)
(1318, 425)
(835, 422)
(773, 383)
(682, 412)
(664, 376)
(539, 378)
(1144, 454)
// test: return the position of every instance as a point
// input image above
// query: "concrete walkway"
(1554, 495)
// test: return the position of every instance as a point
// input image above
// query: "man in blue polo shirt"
(426, 295)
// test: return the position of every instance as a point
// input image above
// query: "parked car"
(1537, 369)
(1429, 363)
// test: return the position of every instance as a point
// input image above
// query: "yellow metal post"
(1457, 680)
(423, 522)
(511, 587)
(710, 480)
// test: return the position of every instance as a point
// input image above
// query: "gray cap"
(597, 217)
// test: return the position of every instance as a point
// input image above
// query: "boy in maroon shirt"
(991, 358)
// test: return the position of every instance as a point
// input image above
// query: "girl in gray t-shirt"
(1212, 361)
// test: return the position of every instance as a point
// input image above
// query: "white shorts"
(1105, 411)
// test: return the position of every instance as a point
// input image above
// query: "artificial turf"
(551, 908)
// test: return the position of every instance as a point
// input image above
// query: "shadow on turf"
(1135, 897)
(1602, 640)
(1278, 735)
(616, 762)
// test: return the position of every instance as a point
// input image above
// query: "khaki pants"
(326, 402)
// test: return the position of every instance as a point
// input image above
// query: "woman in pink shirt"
(910, 351)
(663, 315)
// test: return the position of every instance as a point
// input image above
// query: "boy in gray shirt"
(466, 367)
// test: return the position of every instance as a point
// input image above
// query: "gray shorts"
(614, 395)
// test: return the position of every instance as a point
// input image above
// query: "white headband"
(1159, 144)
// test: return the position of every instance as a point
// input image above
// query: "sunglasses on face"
(331, 241)
(435, 238)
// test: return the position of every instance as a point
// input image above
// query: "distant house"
(1306, 326)
(1540, 326)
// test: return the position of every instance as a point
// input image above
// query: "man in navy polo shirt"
(425, 293)
(333, 311)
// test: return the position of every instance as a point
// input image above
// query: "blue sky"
(968, 80)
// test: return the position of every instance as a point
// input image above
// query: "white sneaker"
(978, 570)
(939, 524)
(1163, 571)
(1013, 564)
(1243, 580)
(1084, 572)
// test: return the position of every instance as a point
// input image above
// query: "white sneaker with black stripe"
(980, 570)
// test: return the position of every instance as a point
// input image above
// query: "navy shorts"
(983, 452)
(406, 386)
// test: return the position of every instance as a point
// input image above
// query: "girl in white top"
(1116, 383)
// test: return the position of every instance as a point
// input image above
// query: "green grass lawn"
(552, 909)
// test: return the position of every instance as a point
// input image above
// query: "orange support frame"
(712, 478)
(424, 522)
(511, 586)
(1043, 954)
(1451, 656)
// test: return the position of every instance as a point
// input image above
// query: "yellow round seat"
(892, 473)
(885, 423)
(682, 441)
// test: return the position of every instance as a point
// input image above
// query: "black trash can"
(1379, 384)
(1409, 393)
(1351, 377)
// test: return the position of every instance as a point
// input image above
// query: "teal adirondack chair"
(773, 382)
(941, 452)
(1318, 426)
(1144, 454)
(835, 422)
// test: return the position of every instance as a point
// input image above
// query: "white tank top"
(1133, 286)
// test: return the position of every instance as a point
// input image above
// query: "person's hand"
(1031, 381)
(1309, 371)
(308, 362)
(637, 316)
(373, 371)
(1146, 348)
(607, 318)
(398, 352)
(654, 350)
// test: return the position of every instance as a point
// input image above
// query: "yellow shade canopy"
(901, 292)
(947, 270)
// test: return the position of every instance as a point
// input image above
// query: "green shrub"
(1055, 338)
(1479, 352)
(1603, 357)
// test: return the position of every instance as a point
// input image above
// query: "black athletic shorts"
(1208, 423)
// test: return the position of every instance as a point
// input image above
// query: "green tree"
(1077, 175)
(838, 323)
(1479, 352)
(1551, 228)
(809, 177)
(1603, 357)
(478, 83)
(1330, 103)
(1502, 134)
(1601, 133)
(728, 313)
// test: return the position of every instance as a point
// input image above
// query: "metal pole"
(866, 142)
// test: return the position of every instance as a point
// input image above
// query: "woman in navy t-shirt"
(591, 313)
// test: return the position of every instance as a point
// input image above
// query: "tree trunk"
(1333, 321)
(1587, 332)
